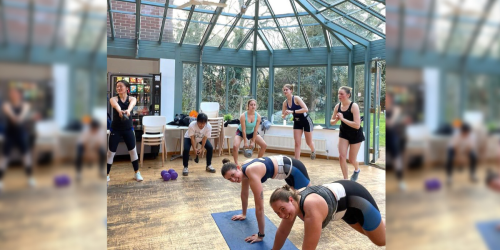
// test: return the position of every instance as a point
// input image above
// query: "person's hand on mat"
(239, 217)
(340, 116)
(252, 239)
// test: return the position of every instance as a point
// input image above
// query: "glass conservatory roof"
(284, 24)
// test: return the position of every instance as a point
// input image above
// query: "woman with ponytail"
(318, 205)
(253, 173)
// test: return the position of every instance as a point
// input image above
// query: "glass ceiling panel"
(173, 30)
(235, 37)
(197, 26)
(288, 21)
(275, 39)
(370, 20)
(90, 32)
(294, 37)
(267, 23)
(221, 28)
(315, 35)
(44, 28)
(334, 41)
(380, 8)
(263, 10)
(248, 44)
(281, 7)
(238, 33)
(460, 38)
(347, 7)
(260, 44)
(316, 4)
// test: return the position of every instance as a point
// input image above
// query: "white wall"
(331, 136)
(133, 66)
(167, 70)
(431, 83)
(60, 74)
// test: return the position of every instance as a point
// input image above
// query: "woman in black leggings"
(16, 134)
(121, 127)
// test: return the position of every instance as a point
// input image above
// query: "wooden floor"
(444, 219)
(155, 214)
(46, 217)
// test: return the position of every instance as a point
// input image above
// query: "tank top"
(295, 107)
(326, 194)
(118, 124)
(348, 116)
(268, 162)
(11, 126)
(249, 127)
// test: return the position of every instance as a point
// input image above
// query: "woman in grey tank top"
(318, 205)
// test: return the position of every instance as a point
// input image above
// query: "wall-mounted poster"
(133, 89)
(140, 88)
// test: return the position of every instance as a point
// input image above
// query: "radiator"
(287, 142)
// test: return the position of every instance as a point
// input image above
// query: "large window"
(339, 78)
(188, 87)
(238, 90)
(313, 92)
(262, 91)
(359, 86)
(311, 87)
(214, 85)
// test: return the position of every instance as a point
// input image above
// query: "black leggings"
(451, 157)
(16, 139)
(187, 147)
(80, 150)
(129, 138)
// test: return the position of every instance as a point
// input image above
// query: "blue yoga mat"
(491, 235)
(235, 232)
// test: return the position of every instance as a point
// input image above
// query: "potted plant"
(228, 117)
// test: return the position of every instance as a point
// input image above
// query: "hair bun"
(225, 160)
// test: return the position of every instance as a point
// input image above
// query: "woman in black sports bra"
(318, 205)
(302, 122)
(351, 133)
(253, 173)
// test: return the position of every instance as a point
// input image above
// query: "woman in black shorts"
(301, 120)
(351, 133)
(318, 205)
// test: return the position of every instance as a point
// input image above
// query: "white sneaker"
(31, 182)
(108, 178)
(138, 176)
